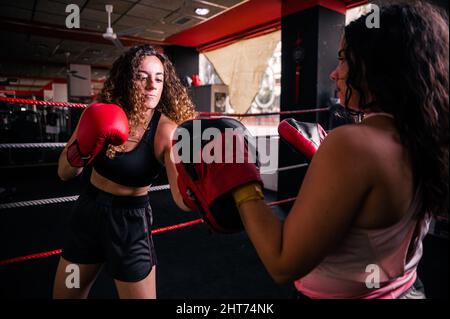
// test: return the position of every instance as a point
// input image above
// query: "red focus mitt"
(303, 137)
(217, 157)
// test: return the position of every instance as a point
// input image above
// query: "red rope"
(29, 257)
(282, 201)
(182, 225)
(263, 114)
(38, 102)
(81, 105)
(58, 251)
(156, 231)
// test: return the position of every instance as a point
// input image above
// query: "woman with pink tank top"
(363, 209)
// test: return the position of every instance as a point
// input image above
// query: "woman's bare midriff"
(108, 186)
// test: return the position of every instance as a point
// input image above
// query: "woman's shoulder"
(351, 135)
(166, 123)
(349, 143)
(360, 143)
(346, 154)
(165, 129)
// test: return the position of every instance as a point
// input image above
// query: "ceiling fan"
(70, 72)
(114, 36)
(109, 34)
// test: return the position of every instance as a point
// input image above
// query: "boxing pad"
(100, 123)
(303, 137)
(213, 157)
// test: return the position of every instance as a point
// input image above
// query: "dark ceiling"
(37, 45)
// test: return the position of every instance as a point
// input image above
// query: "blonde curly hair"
(121, 88)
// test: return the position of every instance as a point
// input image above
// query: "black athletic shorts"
(113, 230)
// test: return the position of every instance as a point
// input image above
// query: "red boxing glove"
(218, 156)
(99, 124)
(304, 137)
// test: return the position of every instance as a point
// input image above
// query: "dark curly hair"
(404, 65)
(122, 89)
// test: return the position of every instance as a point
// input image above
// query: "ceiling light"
(202, 11)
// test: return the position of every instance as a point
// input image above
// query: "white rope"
(31, 145)
(159, 188)
(282, 169)
(39, 202)
(58, 200)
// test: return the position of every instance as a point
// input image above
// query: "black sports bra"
(136, 168)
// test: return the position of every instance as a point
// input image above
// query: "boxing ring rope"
(30, 257)
(41, 103)
(66, 199)
(210, 114)
(305, 111)
(31, 145)
(39, 202)
(58, 200)
(8, 146)
(155, 231)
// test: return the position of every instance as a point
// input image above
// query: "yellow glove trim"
(247, 192)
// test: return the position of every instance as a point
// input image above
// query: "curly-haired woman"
(142, 102)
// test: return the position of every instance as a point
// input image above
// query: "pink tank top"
(393, 253)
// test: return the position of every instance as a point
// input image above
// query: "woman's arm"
(165, 134)
(172, 176)
(331, 194)
(65, 171)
